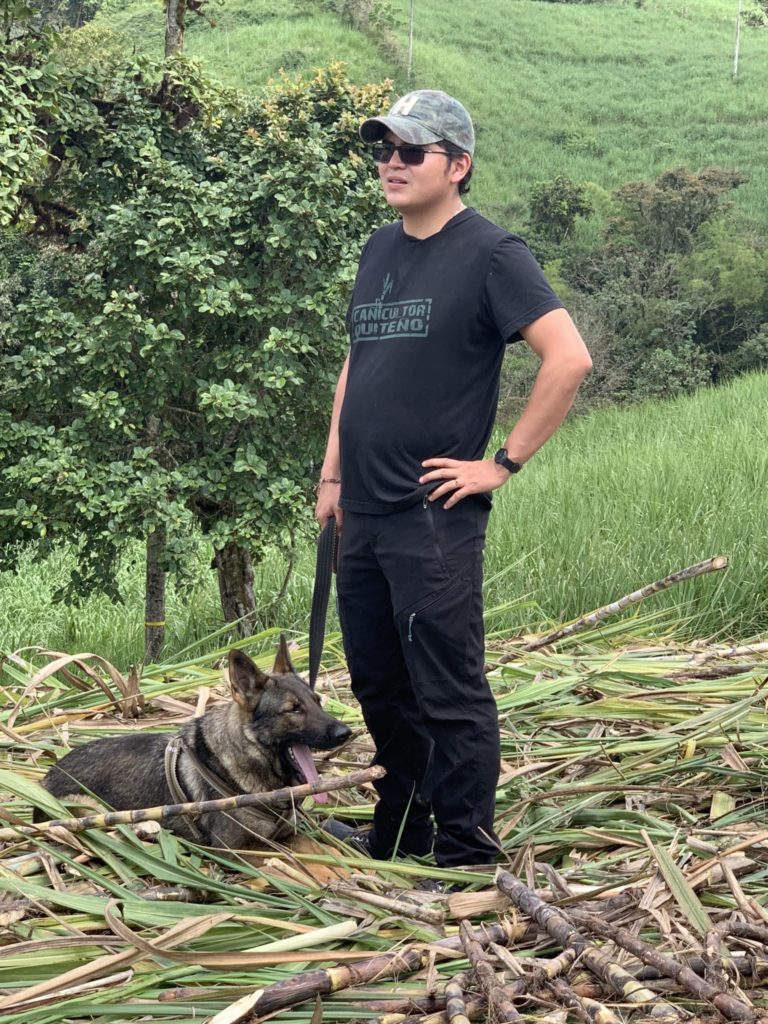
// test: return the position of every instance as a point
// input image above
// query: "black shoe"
(438, 886)
(357, 838)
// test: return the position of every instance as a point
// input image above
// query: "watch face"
(501, 458)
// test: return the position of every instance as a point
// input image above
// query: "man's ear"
(246, 680)
(459, 166)
(283, 665)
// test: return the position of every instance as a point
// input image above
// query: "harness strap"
(171, 763)
(213, 780)
(176, 747)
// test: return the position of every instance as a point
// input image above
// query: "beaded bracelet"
(326, 480)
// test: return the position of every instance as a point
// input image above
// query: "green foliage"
(23, 86)
(554, 207)
(670, 289)
(666, 215)
(751, 355)
(727, 265)
(756, 18)
(16, 16)
(175, 341)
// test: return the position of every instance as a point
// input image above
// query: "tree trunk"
(154, 600)
(175, 11)
(238, 603)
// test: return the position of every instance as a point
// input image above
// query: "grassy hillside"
(615, 500)
(602, 92)
(623, 497)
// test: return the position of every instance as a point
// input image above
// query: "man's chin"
(397, 200)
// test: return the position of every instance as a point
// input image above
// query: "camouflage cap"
(426, 115)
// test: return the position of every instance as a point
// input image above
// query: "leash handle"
(326, 560)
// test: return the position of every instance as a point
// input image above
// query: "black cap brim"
(406, 128)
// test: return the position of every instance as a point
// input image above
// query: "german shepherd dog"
(258, 741)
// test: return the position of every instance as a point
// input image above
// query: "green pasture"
(615, 500)
(600, 92)
(624, 496)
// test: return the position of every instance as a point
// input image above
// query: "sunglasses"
(412, 156)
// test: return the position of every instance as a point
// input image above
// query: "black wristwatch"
(501, 459)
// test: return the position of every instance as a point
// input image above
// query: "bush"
(670, 289)
(170, 357)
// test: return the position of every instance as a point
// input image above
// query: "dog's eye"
(292, 709)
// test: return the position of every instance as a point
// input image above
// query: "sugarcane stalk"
(730, 1007)
(489, 983)
(600, 614)
(391, 1011)
(564, 932)
(586, 1009)
(555, 967)
(739, 929)
(741, 965)
(476, 1009)
(456, 1007)
(309, 984)
(743, 930)
(400, 907)
(268, 799)
(730, 652)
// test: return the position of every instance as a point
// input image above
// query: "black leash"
(326, 559)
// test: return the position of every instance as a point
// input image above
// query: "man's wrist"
(501, 458)
(502, 473)
(325, 480)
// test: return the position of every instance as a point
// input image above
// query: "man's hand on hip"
(460, 479)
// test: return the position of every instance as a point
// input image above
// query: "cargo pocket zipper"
(439, 597)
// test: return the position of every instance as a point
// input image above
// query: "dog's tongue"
(307, 765)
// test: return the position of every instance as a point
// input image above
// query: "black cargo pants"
(409, 586)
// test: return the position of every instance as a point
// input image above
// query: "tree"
(554, 207)
(27, 92)
(169, 351)
(666, 215)
(673, 288)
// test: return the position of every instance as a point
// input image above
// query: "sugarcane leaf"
(722, 804)
(680, 888)
(317, 1013)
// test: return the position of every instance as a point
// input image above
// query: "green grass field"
(600, 92)
(615, 500)
(623, 497)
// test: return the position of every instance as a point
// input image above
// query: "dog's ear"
(246, 680)
(283, 665)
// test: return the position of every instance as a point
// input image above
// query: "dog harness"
(176, 746)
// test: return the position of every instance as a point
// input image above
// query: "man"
(437, 296)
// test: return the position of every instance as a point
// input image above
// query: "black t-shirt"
(428, 322)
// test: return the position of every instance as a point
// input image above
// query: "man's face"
(412, 188)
